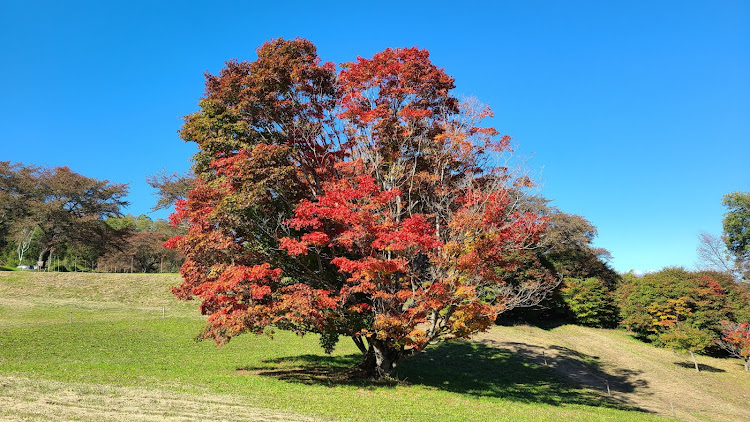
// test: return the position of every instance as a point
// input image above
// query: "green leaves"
(737, 224)
(589, 301)
(673, 304)
(683, 337)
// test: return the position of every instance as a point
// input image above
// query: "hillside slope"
(640, 375)
(73, 345)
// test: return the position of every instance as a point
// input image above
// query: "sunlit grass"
(128, 332)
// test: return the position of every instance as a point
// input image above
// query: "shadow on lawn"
(702, 367)
(462, 367)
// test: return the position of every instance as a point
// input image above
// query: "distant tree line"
(683, 310)
(56, 219)
(705, 311)
(143, 250)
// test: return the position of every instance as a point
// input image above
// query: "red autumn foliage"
(363, 204)
(735, 339)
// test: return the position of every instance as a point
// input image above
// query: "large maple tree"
(366, 202)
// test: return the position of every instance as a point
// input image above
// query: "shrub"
(589, 302)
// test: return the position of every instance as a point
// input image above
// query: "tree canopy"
(736, 225)
(170, 187)
(61, 208)
(367, 203)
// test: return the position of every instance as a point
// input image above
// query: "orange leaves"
(179, 214)
(667, 314)
(387, 325)
(402, 295)
(370, 269)
(397, 72)
(303, 306)
(359, 308)
(737, 338)
(410, 113)
(397, 91)
(293, 247)
(344, 202)
(345, 264)
(173, 242)
(259, 292)
(384, 197)
(490, 235)
(486, 112)
(489, 131)
(358, 215)
(304, 216)
(317, 238)
(255, 273)
(414, 232)
(235, 279)
(710, 287)
(471, 318)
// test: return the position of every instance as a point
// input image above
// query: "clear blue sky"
(634, 114)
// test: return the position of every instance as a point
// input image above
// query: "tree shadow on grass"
(312, 369)
(482, 370)
(702, 367)
(581, 369)
(462, 367)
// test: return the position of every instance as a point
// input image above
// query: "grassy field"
(129, 354)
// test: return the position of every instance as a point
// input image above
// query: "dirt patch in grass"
(636, 373)
(36, 399)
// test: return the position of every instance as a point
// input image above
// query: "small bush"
(589, 302)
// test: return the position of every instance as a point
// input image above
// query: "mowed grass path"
(121, 359)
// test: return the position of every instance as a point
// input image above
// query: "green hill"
(81, 346)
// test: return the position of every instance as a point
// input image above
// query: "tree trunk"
(695, 362)
(360, 344)
(380, 359)
(367, 366)
(43, 257)
(747, 363)
(386, 359)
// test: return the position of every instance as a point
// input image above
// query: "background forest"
(59, 220)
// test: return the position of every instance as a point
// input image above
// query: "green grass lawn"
(120, 339)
